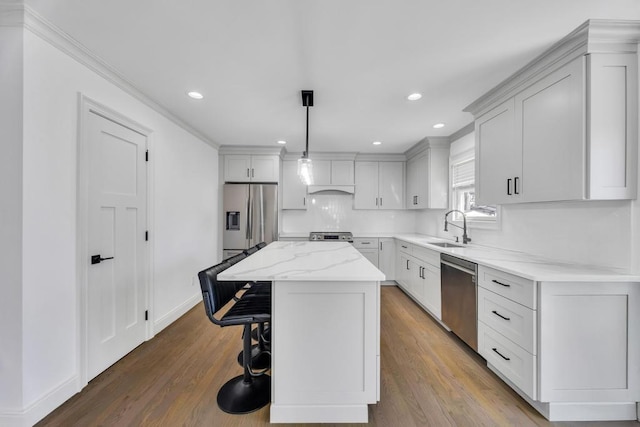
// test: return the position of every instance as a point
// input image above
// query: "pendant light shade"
(305, 167)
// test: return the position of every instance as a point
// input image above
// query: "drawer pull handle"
(365, 243)
(500, 354)
(500, 315)
(404, 246)
(501, 284)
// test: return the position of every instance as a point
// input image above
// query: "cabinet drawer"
(511, 319)
(512, 361)
(365, 243)
(405, 247)
(427, 255)
(513, 287)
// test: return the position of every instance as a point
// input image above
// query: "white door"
(117, 226)
(294, 192)
(237, 168)
(265, 168)
(391, 185)
(366, 179)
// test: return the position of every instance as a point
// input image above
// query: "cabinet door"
(294, 192)
(402, 270)
(342, 172)
(422, 180)
(237, 168)
(371, 255)
(417, 284)
(438, 178)
(265, 168)
(321, 172)
(411, 183)
(387, 257)
(498, 156)
(550, 120)
(432, 290)
(366, 179)
(390, 185)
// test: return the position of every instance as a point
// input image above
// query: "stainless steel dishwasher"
(459, 300)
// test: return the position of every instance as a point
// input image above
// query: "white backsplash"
(333, 212)
(597, 233)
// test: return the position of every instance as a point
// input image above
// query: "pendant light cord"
(306, 153)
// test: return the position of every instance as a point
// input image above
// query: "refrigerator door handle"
(249, 216)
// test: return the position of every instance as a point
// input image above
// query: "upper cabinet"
(251, 168)
(428, 177)
(294, 191)
(563, 128)
(333, 172)
(379, 185)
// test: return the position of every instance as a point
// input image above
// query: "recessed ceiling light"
(414, 96)
(377, 143)
(281, 142)
(195, 95)
(438, 125)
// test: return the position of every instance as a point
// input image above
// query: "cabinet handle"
(404, 246)
(365, 243)
(407, 264)
(247, 172)
(304, 201)
(380, 201)
(509, 187)
(500, 315)
(422, 272)
(501, 284)
(500, 354)
(515, 185)
(380, 245)
(252, 174)
(376, 201)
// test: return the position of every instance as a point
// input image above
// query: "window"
(463, 191)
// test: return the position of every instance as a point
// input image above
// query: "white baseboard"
(319, 413)
(176, 313)
(41, 407)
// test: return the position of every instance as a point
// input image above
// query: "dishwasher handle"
(457, 267)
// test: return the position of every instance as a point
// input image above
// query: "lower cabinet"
(571, 348)
(418, 274)
(380, 252)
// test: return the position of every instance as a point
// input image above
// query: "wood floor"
(429, 378)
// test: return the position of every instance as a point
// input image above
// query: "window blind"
(463, 173)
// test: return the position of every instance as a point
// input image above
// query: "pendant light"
(305, 169)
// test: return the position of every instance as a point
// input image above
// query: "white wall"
(11, 48)
(182, 237)
(329, 212)
(587, 232)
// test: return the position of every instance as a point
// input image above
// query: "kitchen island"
(325, 340)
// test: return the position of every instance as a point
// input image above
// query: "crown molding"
(428, 143)
(380, 157)
(19, 14)
(250, 149)
(466, 130)
(593, 36)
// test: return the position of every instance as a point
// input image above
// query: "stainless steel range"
(331, 236)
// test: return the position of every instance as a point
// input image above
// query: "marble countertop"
(522, 264)
(305, 261)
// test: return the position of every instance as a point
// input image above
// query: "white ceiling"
(251, 58)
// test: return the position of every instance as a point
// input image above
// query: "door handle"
(508, 186)
(252, 173)
(515, 185)
(407, 264)
(380, 201)
(96, 259)
(247, 172)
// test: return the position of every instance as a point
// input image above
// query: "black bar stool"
(252, 390)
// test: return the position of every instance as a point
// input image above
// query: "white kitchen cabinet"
(418, 274)
(333, 172)
(294, 191)
(251, 168)
(367, 247)
(569, 135)
(379, 185)
(387, 257)
(428, 179)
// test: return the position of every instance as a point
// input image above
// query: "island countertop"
(305, 261)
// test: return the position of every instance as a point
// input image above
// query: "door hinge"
(146, 156)
(146, 315)
(146, 236)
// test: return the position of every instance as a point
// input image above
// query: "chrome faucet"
(465, 239)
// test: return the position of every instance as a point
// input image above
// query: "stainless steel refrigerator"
(250, 216)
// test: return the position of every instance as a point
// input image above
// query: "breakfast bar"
(325, 339)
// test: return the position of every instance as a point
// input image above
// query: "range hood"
(344, 189)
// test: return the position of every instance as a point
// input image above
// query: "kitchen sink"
(445, 244)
